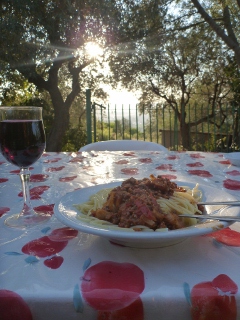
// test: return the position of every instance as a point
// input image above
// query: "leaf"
(77, 299)
(187, 293)
(45, 230)
(86, 264)
(31, 259)
(12, 253)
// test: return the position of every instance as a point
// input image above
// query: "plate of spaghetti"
(143, 213)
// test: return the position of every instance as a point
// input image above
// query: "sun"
(93, 49)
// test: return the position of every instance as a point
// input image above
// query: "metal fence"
(220, 130)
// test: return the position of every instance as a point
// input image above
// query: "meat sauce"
(134, 203)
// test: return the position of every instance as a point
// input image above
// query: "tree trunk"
(59, 127)
(185, 135)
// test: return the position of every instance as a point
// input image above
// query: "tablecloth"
(52, 271)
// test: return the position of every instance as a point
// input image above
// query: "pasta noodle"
(183, 203)
(95, 201)
(180, 202)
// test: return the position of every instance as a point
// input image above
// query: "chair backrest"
(123, 145)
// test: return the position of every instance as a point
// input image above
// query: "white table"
(42, 269)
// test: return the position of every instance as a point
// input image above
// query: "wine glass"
(22, 142)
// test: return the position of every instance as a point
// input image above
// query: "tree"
(172, 66)
(42, 40)
(45, 42)
(223, 18)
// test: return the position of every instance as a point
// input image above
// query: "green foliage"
(170, 56)
(109, 131)
(21, 93)
(233, 73)
(45, 42)
(74, 139)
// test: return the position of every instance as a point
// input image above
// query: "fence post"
(89, 116)
(94, 122)
(176, 146)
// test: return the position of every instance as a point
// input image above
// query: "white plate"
(234, 158)
(66, 212)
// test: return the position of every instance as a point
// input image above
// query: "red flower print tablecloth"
(52, 271)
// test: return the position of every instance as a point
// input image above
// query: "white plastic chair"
(123, 145)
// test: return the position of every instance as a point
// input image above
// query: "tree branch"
(219, 31)
(171, 102)
(33, 77)
(228, 24)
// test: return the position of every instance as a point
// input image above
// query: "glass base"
(22, 221)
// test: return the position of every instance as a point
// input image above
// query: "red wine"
(22, 142)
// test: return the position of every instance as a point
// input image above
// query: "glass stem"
(25, 179)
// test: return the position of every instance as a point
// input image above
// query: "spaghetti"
(142, 205)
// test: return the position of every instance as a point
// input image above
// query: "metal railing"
(219, 132)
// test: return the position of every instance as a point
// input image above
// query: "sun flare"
(93, 49)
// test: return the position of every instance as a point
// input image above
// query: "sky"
(123, 97)
(116, 97)
(119, 102)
